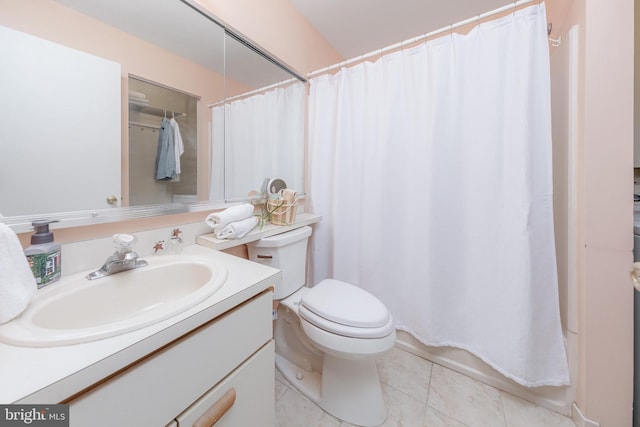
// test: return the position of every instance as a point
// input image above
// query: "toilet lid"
(334, 328)
(345, 304)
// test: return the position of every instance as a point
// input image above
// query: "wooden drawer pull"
(217, 410)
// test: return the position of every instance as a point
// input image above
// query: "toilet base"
(347, 389)
(307, 383)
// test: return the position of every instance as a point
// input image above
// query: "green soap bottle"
(44, 255)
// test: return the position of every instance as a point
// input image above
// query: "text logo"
(34, 415)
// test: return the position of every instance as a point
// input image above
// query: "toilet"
(327, 336)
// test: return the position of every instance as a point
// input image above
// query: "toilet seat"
(344, 330)
(346, 310)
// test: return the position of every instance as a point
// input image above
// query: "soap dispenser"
(44, 255)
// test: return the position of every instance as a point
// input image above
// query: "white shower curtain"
(261, 136)
(431, 169)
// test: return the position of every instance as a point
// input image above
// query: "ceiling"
(356, 27)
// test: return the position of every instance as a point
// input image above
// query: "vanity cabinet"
(238, 400)
(224, 367)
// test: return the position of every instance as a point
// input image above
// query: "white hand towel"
(229, 215)
(17, 285)
(237, 229)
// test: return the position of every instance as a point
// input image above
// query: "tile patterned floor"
(422, 394)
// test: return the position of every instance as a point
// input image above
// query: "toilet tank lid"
(283, 239)
(346, 304)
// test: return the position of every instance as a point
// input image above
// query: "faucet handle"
(124, 242)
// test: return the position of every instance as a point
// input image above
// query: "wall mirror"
(272, 146)
(167, 43)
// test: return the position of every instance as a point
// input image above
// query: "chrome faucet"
(124, 258)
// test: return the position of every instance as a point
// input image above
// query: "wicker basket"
(282, 213)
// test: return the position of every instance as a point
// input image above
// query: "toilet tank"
(286, 252)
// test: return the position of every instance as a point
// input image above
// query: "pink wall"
(606, 294)
(277, 27)
(605, 209)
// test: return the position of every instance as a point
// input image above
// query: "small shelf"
(155, 111)
(210, 240)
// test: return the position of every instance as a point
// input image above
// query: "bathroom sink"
(76, 310)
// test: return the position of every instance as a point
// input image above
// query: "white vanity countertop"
(52, 374)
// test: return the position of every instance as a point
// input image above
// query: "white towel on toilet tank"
(229, 215)
(237, 229)
(17, 285)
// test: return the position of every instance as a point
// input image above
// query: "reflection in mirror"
(161, 119)
(53, 115)
(273, 104)
(165, 41)
(168, 42)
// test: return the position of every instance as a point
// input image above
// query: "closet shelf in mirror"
(144, 125)
(156, 111)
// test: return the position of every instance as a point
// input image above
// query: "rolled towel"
(229, 215)
(237, 229)
(134, 94)
(17, 284)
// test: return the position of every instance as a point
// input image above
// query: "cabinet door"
(244, 398)
(156, 389)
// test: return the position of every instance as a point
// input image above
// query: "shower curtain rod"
(401, 44)
(253, 92)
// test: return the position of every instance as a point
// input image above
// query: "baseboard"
(557, 399)
(579, 419)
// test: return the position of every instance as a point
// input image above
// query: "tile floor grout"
(450, 400)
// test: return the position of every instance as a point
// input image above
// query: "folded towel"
(139, 102)
(229, 215)
(134, 94)
(237, 229)
(17, 285)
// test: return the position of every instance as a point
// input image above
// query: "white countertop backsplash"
(91, 254)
